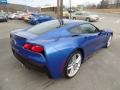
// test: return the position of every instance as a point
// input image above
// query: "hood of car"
(108, 30)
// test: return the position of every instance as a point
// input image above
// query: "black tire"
(27, 66)
(87, 19)
(6, 20)
(74, 18)
(108, 42)
(67, 63)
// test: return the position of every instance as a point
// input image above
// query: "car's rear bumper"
(29, 55)
(31, 64)
(25, 60)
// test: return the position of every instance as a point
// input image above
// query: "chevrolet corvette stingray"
(59, 47)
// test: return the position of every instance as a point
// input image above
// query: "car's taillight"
(37, 49)
(34, 48)
(27, 46)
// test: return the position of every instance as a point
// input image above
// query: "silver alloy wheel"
(109, 41)
(74, 65)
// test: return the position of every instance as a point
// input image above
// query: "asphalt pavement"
(100, 72)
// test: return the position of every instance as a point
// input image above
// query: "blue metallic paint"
(39, 19)
(58, 45)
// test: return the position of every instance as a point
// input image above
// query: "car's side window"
(88, 28)
(75, 30)
(79, 14)
(84, 29)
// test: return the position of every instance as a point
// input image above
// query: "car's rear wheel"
(6, 20)
(73, 64)
(87, 19)
(109, 42)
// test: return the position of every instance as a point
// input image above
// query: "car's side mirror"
(101, 32)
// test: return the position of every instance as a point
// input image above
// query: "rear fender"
(56, 61)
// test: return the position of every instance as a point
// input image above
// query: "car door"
(93, 39)
(79, 16)
(47, 18)
(82, 15)
(40, 18)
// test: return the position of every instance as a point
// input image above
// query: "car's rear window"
(44, 27)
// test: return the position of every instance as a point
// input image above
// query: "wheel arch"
(82, 52)
(66, 63)
(88, 18)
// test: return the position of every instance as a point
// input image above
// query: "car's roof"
(82, 12)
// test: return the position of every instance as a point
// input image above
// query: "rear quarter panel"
(58, 52)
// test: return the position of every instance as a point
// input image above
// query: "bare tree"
(117, 2)
(104, 4)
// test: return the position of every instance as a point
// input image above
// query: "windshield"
(2, 14)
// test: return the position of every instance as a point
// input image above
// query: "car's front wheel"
(6, 20)
(73, 64)
(109, 42)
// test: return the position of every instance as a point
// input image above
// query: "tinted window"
(84, 28)
(79, 14)
(3, 14)
(75, 30)
(45, 27)
(88, 28)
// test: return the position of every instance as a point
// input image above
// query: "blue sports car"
(39, 18)
(59, 48)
